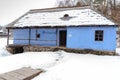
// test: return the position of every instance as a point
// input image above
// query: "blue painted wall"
(77, 37)
(21, 36)
(84, 38)
(47, 37)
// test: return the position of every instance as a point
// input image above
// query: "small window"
(66, 15)
(99, 35)
(37, 35)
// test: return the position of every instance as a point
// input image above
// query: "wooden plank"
(16, 75)
(20, 74)
(29, 71)
(8, 77)
(2, 79)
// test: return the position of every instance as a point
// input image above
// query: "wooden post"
(8, 38)
(29, 38)
(57, 37)
(29, 35)
(36, 34)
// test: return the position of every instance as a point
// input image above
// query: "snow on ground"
(118, 50)
(65, 66)
(84, 67)
(61, 65)
(35, 60)
(3, 43)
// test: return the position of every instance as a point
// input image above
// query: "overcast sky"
(12, 9)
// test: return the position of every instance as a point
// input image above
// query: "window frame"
(99, 35)
(37, 35)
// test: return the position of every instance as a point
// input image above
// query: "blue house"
(76, 28)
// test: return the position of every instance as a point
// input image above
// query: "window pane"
(99, 35)
(37, 35)
(96, 39)
(100, 39)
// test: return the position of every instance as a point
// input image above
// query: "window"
(99, 35)
(66, 15)
(37, 35)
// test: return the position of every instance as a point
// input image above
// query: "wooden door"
(62, 38)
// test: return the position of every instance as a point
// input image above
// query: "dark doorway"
(62, 38)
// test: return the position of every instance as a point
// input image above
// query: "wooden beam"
(57, 37)
(29, 35)
(59, 26)
(8, 37)
(36, 33)
(37, 40)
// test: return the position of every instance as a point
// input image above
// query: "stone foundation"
(20, 49)
(15, 49)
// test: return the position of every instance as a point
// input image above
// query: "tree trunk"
(91, 4)
(114, 4)
(109, 7)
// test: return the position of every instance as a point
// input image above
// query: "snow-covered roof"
(51, 17)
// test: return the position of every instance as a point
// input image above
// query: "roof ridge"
(57, 9)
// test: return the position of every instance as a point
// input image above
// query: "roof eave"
(63, 26)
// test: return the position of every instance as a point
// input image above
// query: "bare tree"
(64, 3)
(109, 5)
(114, 4)
(91, 4)
(78, 4)
(60, 4)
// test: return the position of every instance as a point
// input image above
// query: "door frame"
(65, 38)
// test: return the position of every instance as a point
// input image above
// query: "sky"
(12, 9)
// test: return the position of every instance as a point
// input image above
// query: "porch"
(37, 37)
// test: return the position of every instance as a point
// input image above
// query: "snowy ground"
(118, 50)
(65, 66)
(3, 43)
